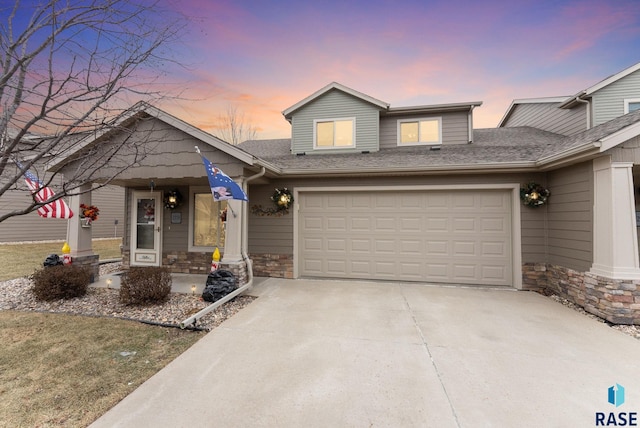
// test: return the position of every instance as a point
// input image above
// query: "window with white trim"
(419, 131)
(334, 133)
(631, 105)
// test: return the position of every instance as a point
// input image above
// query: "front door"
(146, 222)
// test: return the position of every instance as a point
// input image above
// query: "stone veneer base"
(194, 263)
(615, 300)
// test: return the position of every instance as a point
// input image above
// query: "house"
(395, 193)
(612, 97)
(31, 227)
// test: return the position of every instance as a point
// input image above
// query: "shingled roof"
(494, 148)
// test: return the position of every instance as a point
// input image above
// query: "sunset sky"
(264, 56)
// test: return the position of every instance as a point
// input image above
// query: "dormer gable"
(612, 97)
(335, 119)
(338, 119)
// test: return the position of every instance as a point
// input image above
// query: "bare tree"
(234, 128)
(68, 70)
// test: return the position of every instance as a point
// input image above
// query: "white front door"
(146, 222)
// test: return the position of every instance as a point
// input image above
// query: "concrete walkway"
(360, 354)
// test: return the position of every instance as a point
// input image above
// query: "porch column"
(78, 237)
(615, 246)
(233, 235)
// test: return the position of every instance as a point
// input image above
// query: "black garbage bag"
(219, 284)
(52, 260)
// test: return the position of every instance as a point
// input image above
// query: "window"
(419, 131)
(206, 229)
(631, 105)
(334, 133)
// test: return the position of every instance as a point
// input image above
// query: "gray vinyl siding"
(548, 117)
(274, 234)
(110, 202)
(335, 104)
(31, 227)
(608, 102)
(455, 128)
(570, 217)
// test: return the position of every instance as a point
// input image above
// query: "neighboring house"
(610, 98)
(31, 227)
(388, 193)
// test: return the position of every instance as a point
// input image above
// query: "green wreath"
(282, 198)
(534, 195)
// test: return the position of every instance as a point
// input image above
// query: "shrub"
(60, 282)
(144, 285)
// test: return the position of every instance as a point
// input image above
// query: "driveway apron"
(320, 353)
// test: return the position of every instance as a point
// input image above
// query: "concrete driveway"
(311, 353)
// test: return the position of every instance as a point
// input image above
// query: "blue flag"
(222, 187)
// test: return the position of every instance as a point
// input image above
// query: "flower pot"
(85, 222)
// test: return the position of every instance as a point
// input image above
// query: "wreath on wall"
(282, 200)
(534, 195)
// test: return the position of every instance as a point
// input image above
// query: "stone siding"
(273, 265)
(615, 300)
(534, 276)
(194, 263)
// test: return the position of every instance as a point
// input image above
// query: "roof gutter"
(569, 156)
(444, 169)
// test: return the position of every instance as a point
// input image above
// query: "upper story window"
(419, 131)
(631, 105)
(334, 133)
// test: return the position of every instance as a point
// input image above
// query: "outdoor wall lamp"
(172, 199)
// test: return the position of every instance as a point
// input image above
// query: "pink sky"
(265, 56)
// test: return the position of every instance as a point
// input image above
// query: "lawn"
(32, 255)
(66, 370)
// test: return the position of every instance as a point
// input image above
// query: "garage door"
(459, 237)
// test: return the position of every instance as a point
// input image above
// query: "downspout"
(580, 100)
(470, 125)
(243, 252)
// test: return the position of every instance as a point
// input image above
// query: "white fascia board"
(569, 156)
(620, 137)
(335, 85)
(609, 80)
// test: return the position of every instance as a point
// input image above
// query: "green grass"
(66, 370)
(18, 260)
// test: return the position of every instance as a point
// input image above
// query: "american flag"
(222, 187)
(55, 209)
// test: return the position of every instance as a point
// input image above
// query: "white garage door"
(460, 237)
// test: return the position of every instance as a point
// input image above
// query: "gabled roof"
(139, 110)
(331, 86)
(515, 103)
(572, 101)
(493, 150)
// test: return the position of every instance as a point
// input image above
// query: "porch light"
(172, 199)
(109, 282)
